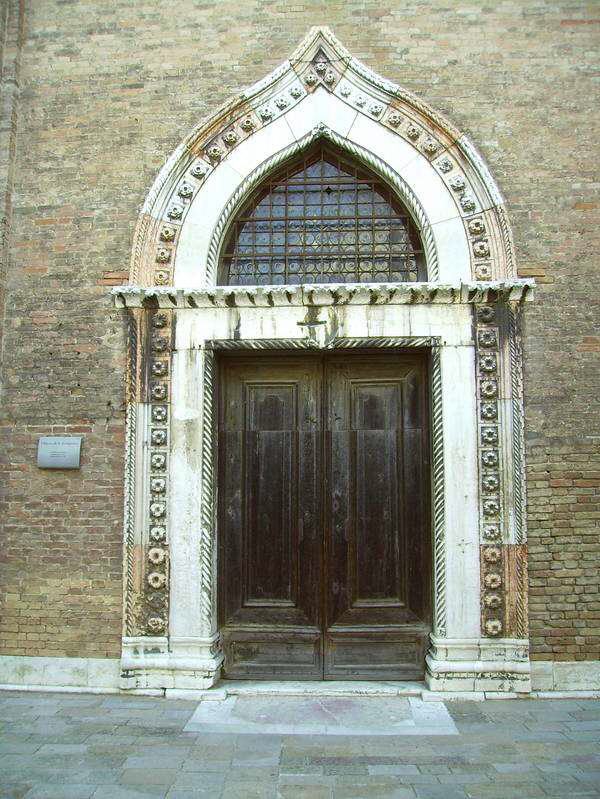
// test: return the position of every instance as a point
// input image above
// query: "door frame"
(479, 639)
(252, 349)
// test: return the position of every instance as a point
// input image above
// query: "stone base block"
(580, 675)
(467, 665)
(167, 664)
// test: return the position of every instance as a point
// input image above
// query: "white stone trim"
(22, 673)
(558, 675)
(549, 679)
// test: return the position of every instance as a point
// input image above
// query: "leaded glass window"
(322, 219)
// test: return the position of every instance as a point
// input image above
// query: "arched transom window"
(322, 219)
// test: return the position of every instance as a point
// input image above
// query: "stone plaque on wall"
(59, 452)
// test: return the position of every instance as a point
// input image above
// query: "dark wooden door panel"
(324, 557)
(375, 412)
(269, 518)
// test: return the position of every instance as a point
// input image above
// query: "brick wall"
(107, 91)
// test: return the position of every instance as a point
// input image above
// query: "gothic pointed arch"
(323, 91)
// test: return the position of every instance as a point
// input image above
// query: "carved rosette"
(154, 608)
(490, 489)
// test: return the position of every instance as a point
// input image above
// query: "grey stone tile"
(304, 791)
(143, 776)
(72, 791)
(249, 790)
(397, 768)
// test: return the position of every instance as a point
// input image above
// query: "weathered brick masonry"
(106, 91)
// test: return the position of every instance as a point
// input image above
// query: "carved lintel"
(432, 293)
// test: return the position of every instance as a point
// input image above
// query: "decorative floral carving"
(492, 580)
(185, 190)
(492, 601)
(491, 532)
(296, 92)
(489, 388)
(158, 461)
(156, 555)
(489, 458)
(158, 391)
(485, 314)
(489, 410)
(487, 338)
(329, 77)
(360, 100)
(430, 146)
(158, 485)
(200, 170)
(490, 482)
(215, 153)
(175, 211)
(247, 124)
(345, 90)
(159, 343)
(159, 413)
(493, 627)
(282, 102)
(158, 437)
(476, 226)
(491, 507)
(167, 233)
(159, 368)
(163, 255)
(394, 118)
(376, 109)
(321, 66)
(483, 272)
(311, 78)
(157, 580)
(157, 509)
(457, 183)
(481, 249)
(487, 363)
(413, 132)
(230, 138)
(445, 164)
(489, 435)
(467, 202)
(156, 624)
(158, 532)
(162, 278)
(492, 554)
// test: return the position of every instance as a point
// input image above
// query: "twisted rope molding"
(402, 189)
(130, 471)
(439, 508)
(208, 489)
(207, 503)
(521, 619)
(388, 342)
(518, 427)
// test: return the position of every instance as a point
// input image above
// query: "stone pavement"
(76, 746)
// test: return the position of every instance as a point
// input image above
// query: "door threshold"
(317, 688)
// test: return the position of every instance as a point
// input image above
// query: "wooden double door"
(323, 516)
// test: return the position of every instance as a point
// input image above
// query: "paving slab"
(305, 746)
(322, 715)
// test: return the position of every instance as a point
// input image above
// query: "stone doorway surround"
(467, 316)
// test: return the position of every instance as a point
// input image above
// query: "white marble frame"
(193, 618)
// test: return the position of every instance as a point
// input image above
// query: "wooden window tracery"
(322, 219)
